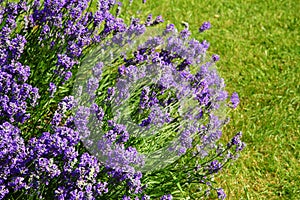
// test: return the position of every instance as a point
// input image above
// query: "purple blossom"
(126, 197)
(122, 70)
(214, 167)
(221, 193)
(167, 197)
(205, 44)
(98, 111)
(12, 155)
(158, 20)
(157, 117)
(186, 138)
(52, 89)
(170, 28)
(92, 85)
(147, 98)
(74, 49)
(76, 195)
(135, 28)
(185, 33)
(65, 61)
(46, 29)
(149, 20)
(68, 75)
(81, 120)
(101, 188)
(57, 118)
(234, 100)
(205, 26)
(145, 197)
(3, 191)
(110, 93)
(15, 93)
(181, 151)
(236, 140)
(215, 57)
(222, 96)
(16, 46)
(97, 70)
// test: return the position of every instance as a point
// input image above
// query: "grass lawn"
(259, 45)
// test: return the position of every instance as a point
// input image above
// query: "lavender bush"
(92, 108)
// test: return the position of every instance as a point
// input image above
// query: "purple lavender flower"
(167, 197)
(135, 183)
(149, 20)
(101, 188)
(205, 44)
(110, 93)
(92, 86)
(98, 111)
(170, 28)
(221, 193)
(76, 195)
(144, 98)
(46, 29)
(215, 57)
(186, 138)
(68, 75)
(57, 118)
(146, 122)
(236, 140)
(185, 33)
(145, 197)
(158, 20)
(74, 50)
(122, 70)
(222, 96)
(17, 46)
(214, 167)
(65, 61)
(97, 70)
(126, 197)
(205, 26)
(135, 28)
(234, 100)
(12, 155)
(52, 89)
(3, 191)
(181, 151)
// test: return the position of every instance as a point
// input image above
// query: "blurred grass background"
(259, 45)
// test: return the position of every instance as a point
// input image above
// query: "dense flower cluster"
(49, 151)
(15, 92)
(29, 165)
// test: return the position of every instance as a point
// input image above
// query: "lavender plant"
(92, 108)
(158, 97)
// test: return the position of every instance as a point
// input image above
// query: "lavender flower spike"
(235, 99)
(221, 193)
(205, 26)
(167, 197)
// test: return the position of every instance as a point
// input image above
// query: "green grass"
(259, 45)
